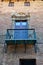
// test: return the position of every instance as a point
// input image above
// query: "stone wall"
(20, 0)
(36, 16)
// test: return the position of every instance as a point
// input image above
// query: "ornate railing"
(31, 33)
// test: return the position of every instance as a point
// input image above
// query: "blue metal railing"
(11, 34)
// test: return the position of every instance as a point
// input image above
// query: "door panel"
(27, 62)
(21, 34)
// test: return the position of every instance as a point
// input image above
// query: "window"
(2, 0)
(17, 24)
(26, 3)
(11, 4)
(33, 0)
(24, 23)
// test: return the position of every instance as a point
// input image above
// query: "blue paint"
(26, 34)
(21, 34)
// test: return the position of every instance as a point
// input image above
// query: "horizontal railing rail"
(10, 35)
(21, 29)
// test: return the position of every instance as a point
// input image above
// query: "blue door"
(21, 34)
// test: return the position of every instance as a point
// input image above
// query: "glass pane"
(24, 23)
(17, 23)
